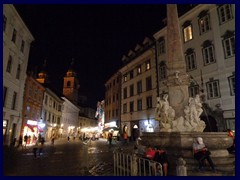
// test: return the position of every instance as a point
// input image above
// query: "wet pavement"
(64, 158)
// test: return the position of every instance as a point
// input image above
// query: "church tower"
(71, 85)
(42, 76)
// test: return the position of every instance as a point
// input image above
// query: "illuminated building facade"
(208, 37)
(32, 108)
(113, 99)
(16, 46)
(52, 114)
(138, 90)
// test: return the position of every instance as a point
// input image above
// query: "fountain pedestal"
(179, 144)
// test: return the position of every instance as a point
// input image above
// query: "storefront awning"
(111, 128)
(34, 126)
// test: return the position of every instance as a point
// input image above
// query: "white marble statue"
(190, 122)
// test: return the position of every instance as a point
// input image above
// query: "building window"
(193, 90)
(50, 102)
(139, 104)
(36, 93)
(162, 70)
(148, 65)
(149, 102)
(14, 35)
(46, 99)
(125, 108)
(139, 87)
(161, 46)
(69, 84)
(114, 82)
(131, 90)
(125, 93)
(204, 22)
(4, 22)
(113, 113)
(49, 117)
(113, 98)
(28, 109)
(117, 97)
(213, 89)
(231, 81)
(4, 95)
(187, 31)
(229, 44)
(131, 106)
(22, 46)
(225, 13)
(59, 108)
(18, 71)
(208, 53)
(9, 64)
(131, 74)
(14, 100)
(148, 83)
(125, 78)
(139, 70)
(190, 60)
(58, 120)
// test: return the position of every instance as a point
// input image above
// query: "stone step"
(209, 173)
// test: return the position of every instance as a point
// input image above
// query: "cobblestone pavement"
(64, 158)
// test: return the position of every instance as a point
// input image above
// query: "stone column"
(178, 80)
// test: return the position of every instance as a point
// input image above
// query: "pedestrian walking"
(42, 141)
(20, 141)
(35, 148)
(110, 138)
(53, 140)
(25, 140)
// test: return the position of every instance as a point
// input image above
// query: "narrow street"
(63, 159)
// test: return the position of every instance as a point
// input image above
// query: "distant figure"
(20, 141)
(231, 149)
(161, 157)
(201, 153)
(68, 138)
(230, 133)
(110, 138)
(25, 140)
(125, 137)
(53, 139)
(42, 141)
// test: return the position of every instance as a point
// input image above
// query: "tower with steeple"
(42, 75)
(71, 84)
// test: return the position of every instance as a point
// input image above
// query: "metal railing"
(133, 165)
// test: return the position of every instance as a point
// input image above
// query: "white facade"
(16, 46)
(221, 68)
(70, 123)
(52, 114)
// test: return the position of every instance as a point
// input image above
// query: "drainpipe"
(156, 61)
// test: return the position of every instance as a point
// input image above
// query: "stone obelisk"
(178, 80)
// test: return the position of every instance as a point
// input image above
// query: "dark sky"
(96, 36)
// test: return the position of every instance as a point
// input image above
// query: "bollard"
(181, 168)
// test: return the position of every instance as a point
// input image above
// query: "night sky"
(95, 36)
